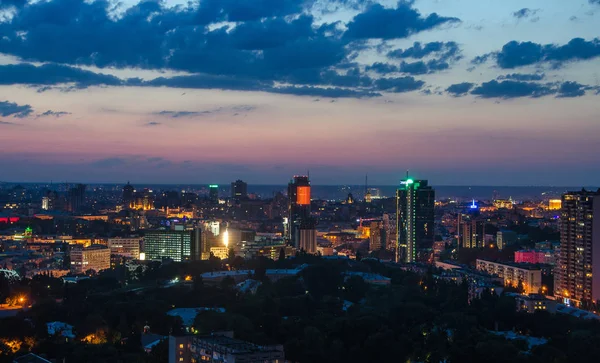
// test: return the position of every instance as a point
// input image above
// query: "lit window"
(180, 346)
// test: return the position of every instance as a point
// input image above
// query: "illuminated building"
(239, 190)
(378, 236)
(472, 232)
(49, 201)
(213, 193)
(579, 256)
(536, 257)
(299, 207)
(554, 204)
(94, 257)
(221, 252)
(504, 203)
(143, 200)
(127, 247)
(414, 217)
(177, 244)
(530, 277)
(307, 238)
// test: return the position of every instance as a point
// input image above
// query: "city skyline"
(461, 93)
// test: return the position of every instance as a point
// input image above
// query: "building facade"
(579, 256)
(513, 274)
(177, 244)
(94, 257)
(415, 218)
(126, 247)
(298, 208)
(239, 190)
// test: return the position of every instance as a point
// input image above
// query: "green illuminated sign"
(213, 186)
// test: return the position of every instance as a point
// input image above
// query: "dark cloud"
(12, 109)
(382, 68)
(152, 123)
(399, 85)
(415, 68)
(594, 2)
(512, 89)
(442, 50)
(525, 13)
(54, 114)
(246, 10)
(516, 54)
(523, 77)
(480, 59)
(571, 89)
(210, 82)
(178, 114)
(460, 89)
(333, 92)
(51, 74)
(383, 23)
(7, 123)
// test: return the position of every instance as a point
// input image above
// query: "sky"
(459, 92)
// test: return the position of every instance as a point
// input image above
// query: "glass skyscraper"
(415, 218)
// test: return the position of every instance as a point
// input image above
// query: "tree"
(282, 254)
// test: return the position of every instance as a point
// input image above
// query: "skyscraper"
(76, 197)
(577, 278)
(414, 218)
(128, 194)
(299, 208)
(178, 244)
(239, 190)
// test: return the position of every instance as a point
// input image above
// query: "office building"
(239, 190)
(128, 193)
(529, 276)
(554, 204)
(213, 193)
(94, 257)
(177, 244)
(299, 207)
(414, 217)
(126, 247)
(221, 347)
(76, 197)
(576, 277)
(505, 238)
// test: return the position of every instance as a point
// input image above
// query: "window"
(180, 346)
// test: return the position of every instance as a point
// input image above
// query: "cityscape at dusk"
(466, 92)
(299, 181)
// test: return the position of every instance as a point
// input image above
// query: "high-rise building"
(76, 198)
(506, 238)
(414, 217)
(378, 236)
(177, 244)
(307, 238)
(472, 232)
(299, 207)
(239, 190)
(577, 275)
(213, 193)
(94, 257)
(128, 194)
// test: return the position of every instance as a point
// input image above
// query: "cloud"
(382, 68)
(12, 109)
(415, 68)
(377, 22)
(442, 50)
(5, 4)
(178, 114)
(517, 54)
(527, 13)
(332, 92)
(594, 2)
(52, 74)
(55, 114)
(7, 123)
(571, 89)
(460, 89)
(511, 89)
(523, 77)
(399, 85)
(152, 123)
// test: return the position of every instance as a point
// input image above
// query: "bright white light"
(226, 238)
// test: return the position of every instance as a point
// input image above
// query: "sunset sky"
(475, 92)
